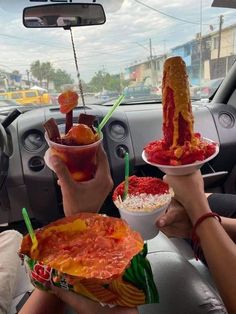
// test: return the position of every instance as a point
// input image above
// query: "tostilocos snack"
(179, 145)
(94, 255)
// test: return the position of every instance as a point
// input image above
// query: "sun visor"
(18, 5)
(224, 4)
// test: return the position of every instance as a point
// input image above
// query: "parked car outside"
(206, 89)
(209, 87)
(194, 91)
(157, 90)
(27, 97)
(54, 98)
(137, 91)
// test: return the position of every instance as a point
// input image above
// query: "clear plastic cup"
(143, 222)
(80, 160)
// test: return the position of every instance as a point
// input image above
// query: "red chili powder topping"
(160, 153)
(138, 185)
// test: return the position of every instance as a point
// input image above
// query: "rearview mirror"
(64, 15)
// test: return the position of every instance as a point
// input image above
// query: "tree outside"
(105, 81)
(101, 81)
(45, 72)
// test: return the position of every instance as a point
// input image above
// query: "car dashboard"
(30, 183)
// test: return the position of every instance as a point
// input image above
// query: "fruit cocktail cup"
(80, 160)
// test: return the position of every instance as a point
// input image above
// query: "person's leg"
(223, 204)
(9, 266)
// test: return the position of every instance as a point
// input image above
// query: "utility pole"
(200, 44)
(219, 43)
(27, 73)
(150, 48)
(151, 63)
(220, 31)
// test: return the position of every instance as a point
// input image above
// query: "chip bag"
(97, 256)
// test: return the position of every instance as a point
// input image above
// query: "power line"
(30, 40)
(62, 47)
(168, 15)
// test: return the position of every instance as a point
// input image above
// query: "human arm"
(176, 223)
(219, 250)
(229, 225)
(84, 196)
(83, 305)
(41, 302)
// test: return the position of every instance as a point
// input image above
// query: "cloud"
(123, 39)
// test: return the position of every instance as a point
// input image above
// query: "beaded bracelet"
(195, 238)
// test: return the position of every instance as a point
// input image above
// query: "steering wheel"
(4, 152)
(4, 155)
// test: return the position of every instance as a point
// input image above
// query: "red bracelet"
(195, 238)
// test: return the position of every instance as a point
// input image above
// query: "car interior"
(185, 285)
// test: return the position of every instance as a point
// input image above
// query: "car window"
(16, 95)
(30, 94)
(125, 55)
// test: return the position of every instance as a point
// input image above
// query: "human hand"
(85, 306)
(84, 196)
(189, 191)
(175, 222)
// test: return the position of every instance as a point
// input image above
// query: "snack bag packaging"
(97, 256)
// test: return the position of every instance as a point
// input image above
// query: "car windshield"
(6, 103)
(124, 55)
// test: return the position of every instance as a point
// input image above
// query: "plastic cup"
(143, 222)
(80, 160)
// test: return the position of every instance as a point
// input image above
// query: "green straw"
(99, 131)
(126, 190)
(30, 228)
(109, 114)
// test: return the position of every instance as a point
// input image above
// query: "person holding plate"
(215, 235)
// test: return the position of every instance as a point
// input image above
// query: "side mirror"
(64, 15)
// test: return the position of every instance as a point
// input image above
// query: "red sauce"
(168, 125)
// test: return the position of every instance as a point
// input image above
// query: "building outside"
(16, 81)
(216, 67)
(215, 60)
(139, 72)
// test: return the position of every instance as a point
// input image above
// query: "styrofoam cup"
(143, 222)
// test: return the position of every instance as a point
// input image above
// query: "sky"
(120, 42)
